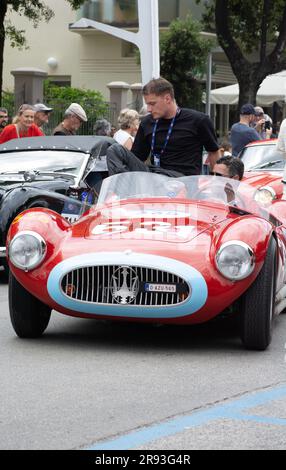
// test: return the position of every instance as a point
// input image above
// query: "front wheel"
(29, 316)
(257, 305)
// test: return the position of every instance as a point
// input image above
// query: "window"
(60, 80)
(111, 11)
(125, 12)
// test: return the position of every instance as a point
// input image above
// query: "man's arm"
(213, 157)
(208, 138)
(254, 135)
(141, 147)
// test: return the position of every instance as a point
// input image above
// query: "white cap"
(41, 107)
(76, 109)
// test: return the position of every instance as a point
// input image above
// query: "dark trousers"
(94, 179)
(121, 160)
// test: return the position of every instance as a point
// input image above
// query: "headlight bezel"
(250, 253)
(42, 250)
(271, 191)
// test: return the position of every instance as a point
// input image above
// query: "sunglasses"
(213, 173)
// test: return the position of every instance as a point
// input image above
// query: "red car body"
(153, 259)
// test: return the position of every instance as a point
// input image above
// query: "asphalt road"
(92, 385)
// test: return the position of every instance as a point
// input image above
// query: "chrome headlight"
(265, 195)
(235, 260)
(27, 250)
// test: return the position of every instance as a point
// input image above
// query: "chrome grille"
(94, 284)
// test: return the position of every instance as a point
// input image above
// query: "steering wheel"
(228, 196)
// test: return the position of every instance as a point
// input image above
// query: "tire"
(257, 305)
(29, 316)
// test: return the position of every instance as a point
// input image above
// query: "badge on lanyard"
(157, 156)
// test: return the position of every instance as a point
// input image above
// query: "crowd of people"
(30, 119)
(165, 138)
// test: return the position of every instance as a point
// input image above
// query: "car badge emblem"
(70, 289)
(124, 285)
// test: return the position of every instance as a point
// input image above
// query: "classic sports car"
(263, 156)
(42, 171)
(154, 249)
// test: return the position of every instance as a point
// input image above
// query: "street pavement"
(94, 385)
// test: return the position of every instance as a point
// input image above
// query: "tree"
(253, 37)
(183, 55)
(35, 10)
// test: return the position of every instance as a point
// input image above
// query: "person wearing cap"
(241, 132)
(263, 123)
(41, 114)
(73, 118)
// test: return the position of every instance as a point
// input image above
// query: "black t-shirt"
(192, 131)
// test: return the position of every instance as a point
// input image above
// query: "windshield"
(201, 189)
(262, 157)
(42, 160)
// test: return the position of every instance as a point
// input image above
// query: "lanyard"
(167, 136)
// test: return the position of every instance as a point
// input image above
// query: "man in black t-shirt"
(173, 136)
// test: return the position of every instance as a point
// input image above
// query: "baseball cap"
(42, 107)
(247, 109)
(76, 109)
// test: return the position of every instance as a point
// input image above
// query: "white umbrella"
(273, 88)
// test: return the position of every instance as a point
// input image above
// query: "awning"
(273, 88)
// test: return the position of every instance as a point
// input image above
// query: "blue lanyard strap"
(167, 136)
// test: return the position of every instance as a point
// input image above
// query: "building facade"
(90, 59)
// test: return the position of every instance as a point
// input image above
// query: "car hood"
(166, 222)
(259, 180)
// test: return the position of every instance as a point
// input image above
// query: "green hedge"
(59, 98)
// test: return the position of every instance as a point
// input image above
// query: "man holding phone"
(263, 123)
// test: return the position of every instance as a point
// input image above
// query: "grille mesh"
(94, 284)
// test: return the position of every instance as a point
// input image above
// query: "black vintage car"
(52, 172)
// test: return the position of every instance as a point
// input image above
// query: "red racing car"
(156, 249)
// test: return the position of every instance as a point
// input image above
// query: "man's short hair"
(3, 110)
(235, 166)
(102, 127)
(159, 86)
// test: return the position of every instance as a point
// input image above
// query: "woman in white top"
(128, 121)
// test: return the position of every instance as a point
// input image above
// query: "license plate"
(160, 288)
